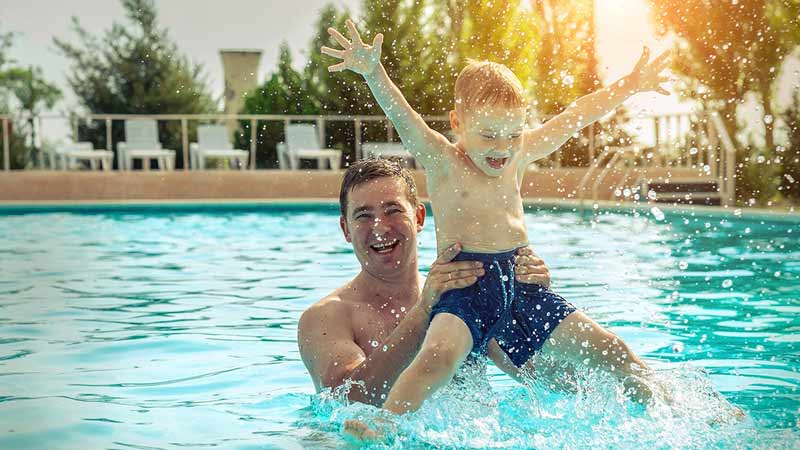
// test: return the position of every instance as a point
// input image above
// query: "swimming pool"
(175, 327)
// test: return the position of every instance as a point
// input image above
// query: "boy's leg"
(558, 375)
(581, 340)
(446, 345)
(503, 362)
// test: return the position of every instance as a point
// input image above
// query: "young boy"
(474, 188)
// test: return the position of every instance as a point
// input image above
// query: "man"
(370, 329)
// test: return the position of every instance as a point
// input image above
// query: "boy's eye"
(515, 136)
(488, 136)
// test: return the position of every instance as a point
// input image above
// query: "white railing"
(697, 141)
(676, 140)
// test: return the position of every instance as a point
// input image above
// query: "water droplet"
(657, 213)
(683, 265)
(373, 343)
(677, 347)
(727, 283)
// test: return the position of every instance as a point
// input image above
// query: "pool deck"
(44, 185)
(541, 187)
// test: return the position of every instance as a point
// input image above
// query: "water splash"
(470, 414)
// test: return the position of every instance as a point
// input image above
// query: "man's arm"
(331, 355)
(423, 142)
(586, 110)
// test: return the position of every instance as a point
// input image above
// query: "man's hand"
(529, 268)
(356, 56)
(646, 76)
(446, 275)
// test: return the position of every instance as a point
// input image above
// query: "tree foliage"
(729, 49)
(285, 92)
(726, 50)
(24, 90)
(426, 44)
(135, 68)
(790, 155)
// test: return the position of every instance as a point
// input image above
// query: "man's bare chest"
(371, 327)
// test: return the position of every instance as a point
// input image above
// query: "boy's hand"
(646, 76)
(356, 56)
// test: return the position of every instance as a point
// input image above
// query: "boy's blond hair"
(485, 83)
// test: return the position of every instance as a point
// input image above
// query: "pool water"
(176, 328)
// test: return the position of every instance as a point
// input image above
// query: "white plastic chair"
(212, 142)
(302, 143)
(141, 142)
(67, 156)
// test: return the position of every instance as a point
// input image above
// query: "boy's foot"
(361, 431)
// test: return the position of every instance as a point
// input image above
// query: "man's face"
(490, 136)
(382, 225)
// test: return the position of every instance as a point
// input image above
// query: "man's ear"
(420, 214)
(345, 230)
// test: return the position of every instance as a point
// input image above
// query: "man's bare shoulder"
(333, 306)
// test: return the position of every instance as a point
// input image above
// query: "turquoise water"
(176, 328)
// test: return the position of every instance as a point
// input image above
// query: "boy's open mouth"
(385, 247)
(496, 163)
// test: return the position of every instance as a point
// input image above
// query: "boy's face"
(490, 136)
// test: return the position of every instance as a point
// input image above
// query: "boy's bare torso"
(484, 214)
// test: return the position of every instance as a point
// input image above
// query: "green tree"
(548, 44)
(565, 62)
(33, 94)
(790, 155)
(727, 50)
(285, 92)
(25, 91)
(135, 69)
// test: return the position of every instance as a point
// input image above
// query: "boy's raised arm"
(364, 59)
(646, 76)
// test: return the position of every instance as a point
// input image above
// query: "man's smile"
(385, 247)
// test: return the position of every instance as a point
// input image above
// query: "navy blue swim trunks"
(519, 316)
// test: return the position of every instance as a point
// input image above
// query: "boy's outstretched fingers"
(332, 52)
(339, 38)
(354, 35)
(378, 41)
(642, 63)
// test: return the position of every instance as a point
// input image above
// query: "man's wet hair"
(370, 169)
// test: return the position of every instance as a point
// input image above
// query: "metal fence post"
(253, 142)
(321, 132)
(185, 143)
(109, 144)
(6, 149)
